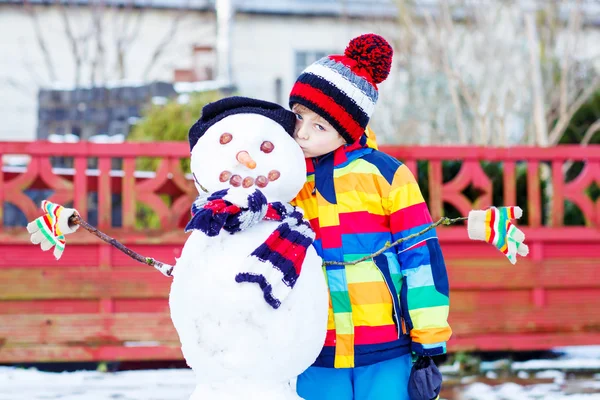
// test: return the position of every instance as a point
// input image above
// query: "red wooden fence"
(97, 304)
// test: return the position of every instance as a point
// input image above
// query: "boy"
(357, 200)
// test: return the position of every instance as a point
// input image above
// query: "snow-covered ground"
(513, 391)
(29, 384)
(564, 374)
(178, 384)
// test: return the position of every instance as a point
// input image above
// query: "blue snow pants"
(386, 380)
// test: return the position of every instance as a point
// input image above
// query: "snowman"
(248, 299)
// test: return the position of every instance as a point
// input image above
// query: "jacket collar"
(322, 167)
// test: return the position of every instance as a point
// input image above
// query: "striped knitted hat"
(343, 88)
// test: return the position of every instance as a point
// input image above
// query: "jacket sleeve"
(425, 291)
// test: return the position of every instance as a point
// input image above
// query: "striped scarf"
(274, 265)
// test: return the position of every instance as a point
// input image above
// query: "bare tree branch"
(589, 134)
(574, 26)
(474, 78)
(125, 38)
(587, 138)
(28, 92)
(536, 80)
(98, 62)
(160, 48)
(458, 114)
(30, 9)
(405, 17)
(74, 43)
(564, 120)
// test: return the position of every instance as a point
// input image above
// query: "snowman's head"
(247, 144)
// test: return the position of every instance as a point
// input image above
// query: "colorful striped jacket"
(357, 199)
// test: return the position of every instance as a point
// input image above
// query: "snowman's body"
(238, 345)
(232, 339)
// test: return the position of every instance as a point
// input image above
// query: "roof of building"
(278, 7)
(352, 8)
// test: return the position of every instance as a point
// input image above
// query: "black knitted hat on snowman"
(218, 110)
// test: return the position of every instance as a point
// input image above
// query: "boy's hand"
(495, 227)
(48, 230)
(425, 381)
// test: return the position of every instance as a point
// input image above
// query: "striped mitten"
(494, 226)
(49, 230)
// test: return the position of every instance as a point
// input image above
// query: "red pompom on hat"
(343, 88)
(373, 53)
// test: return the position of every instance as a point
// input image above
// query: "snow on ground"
(513, 391)
(578, 359)
(30, 384)
(178, 384)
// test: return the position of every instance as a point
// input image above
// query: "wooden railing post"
(534, 205)
(104, 194)
(81, 186)
(558, 202)
(129, 196)
(436, 181)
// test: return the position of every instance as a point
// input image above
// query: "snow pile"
(580, 359)
(513, 391)
(31, 384)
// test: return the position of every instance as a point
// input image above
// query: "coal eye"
(267, 147)
(226, 138)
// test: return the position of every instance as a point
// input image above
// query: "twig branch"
(40, 39)
(441, 221)
(160, 48)
(563, 122)
(21, 88)
(589, 134)
(166, 269)
(124, 39)
(541, 128)
(98, 62)
(595, 127)
(458, 111)
(73, 42)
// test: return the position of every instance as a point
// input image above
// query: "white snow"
(30, 384)
(558, 376)
(513, 391)
(178, 384)
(523, 375)
(581, 352)
(203, 86)
(67, 138)
(450, 369)
(159, 100)
(491, 375)
(574, 364)
(103, 138)
(571, 359)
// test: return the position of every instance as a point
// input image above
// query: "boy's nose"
(302, 134)
(244, 158)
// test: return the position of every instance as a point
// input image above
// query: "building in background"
(88, 112)
(63, 50)
(462, 71)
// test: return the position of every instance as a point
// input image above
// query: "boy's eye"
(225, 138)
(267, 147)
(298, 116)
(320, 127)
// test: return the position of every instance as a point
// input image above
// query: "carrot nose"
(244, 158)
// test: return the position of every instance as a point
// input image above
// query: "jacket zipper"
(400, 325)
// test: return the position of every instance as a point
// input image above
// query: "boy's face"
(315, 136)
